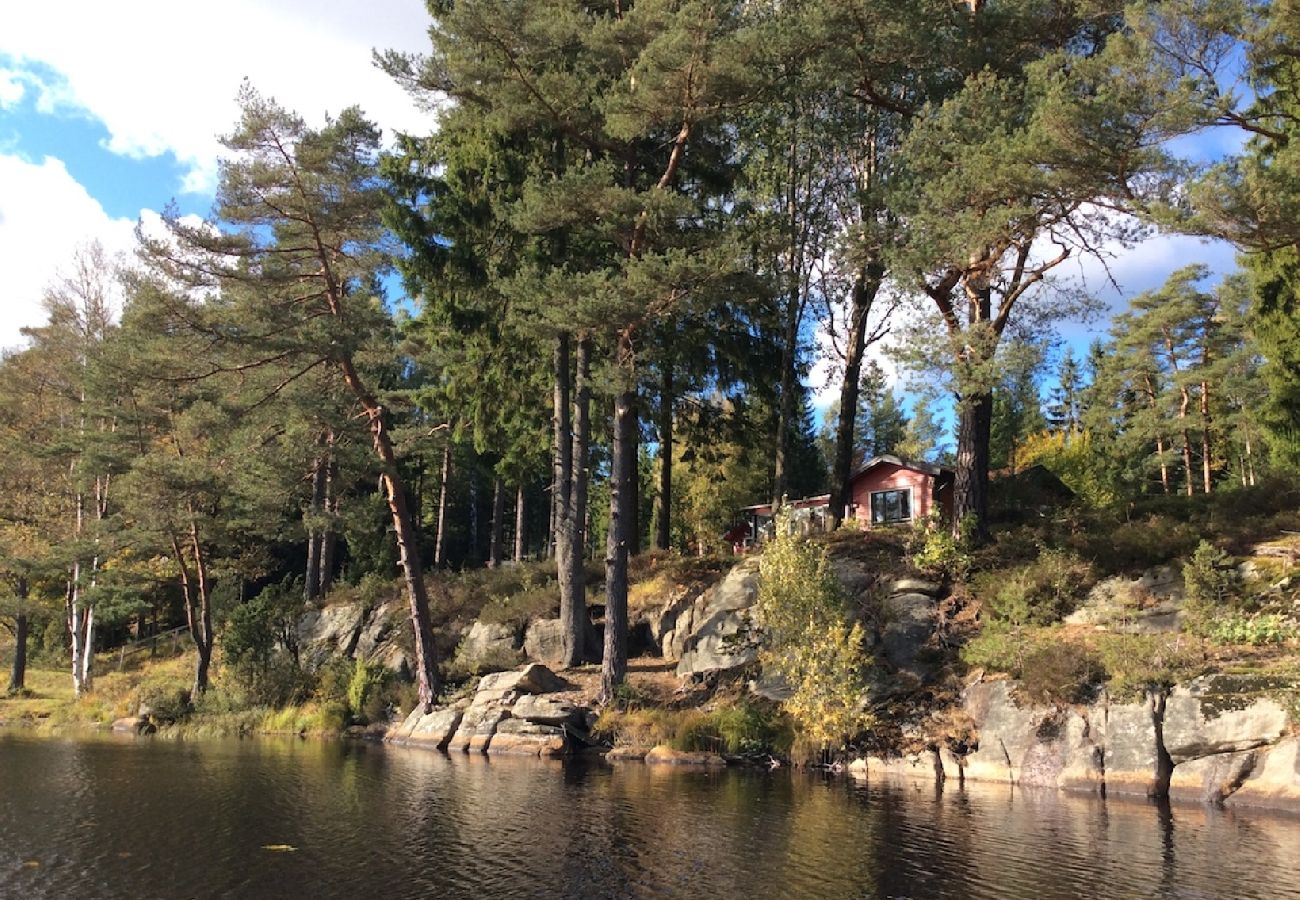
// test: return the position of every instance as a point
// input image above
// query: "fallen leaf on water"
(280, 848)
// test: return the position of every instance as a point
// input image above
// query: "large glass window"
(891, 506)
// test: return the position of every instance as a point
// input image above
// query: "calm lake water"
(142, 818)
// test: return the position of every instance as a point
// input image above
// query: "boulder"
(1148, 604)
(434, 729)
(923, 765)
(910, 618)
(1211, 778)
(1274, 780)
(1005, 732)
(1219, 714)
(533, 678)
(625, 754)
(718, 619)
(477, 726)
(375, 639)
(133, 725)
(489, 645)
(853, 577)
(912, 586)
(544, 642)
(329, 632)
(1031, 746)
(515, 736)
(543, 710)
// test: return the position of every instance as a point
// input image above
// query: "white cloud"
(162, 76)
(45, 214)
(11, 88)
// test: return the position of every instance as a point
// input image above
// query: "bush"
(1211, 585)
(1060, 673)
(936, 552)
(745, 728)
(1256, 630)
(165, 700)
(364, 694)
(1136, 664)
(1038, 593)
(808, 644)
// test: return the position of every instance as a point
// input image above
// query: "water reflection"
(150, 818)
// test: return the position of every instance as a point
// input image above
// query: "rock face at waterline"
(519, 711)
(1220, 739)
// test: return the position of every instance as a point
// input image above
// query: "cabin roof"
(890, 459)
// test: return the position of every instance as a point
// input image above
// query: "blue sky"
(108, 111)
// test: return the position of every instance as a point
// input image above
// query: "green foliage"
(1254, 630)
(742, 728)
(1211, 583)
(807, 643)
(1056, 668)
(166, 699)
(1038, 593)
(364, 692)
(937, 552)
(1049, 670)
(1139, 663)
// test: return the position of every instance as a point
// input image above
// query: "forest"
(653, 262)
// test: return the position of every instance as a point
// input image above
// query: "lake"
(104, 817)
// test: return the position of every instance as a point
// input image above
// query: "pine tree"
(634, 92)
(295, 246)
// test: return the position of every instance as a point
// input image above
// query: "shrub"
(1135, 664)
(807, 643)
(936, 552)
(748, 728)
(1211, 584)
(1235, 628)
(364, 695)
(1059, 673)
(166, 700)
(1038, 593)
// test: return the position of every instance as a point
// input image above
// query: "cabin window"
(891, 506)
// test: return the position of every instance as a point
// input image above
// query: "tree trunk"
(633, 504)
(622, 469)
(472, 478)
(1164, 466)
(1184, 404)
(328, 545)
(88, 651)
(664, 496)
(18, 674)
(496, 539)
(864, 294)
(521, 520)
(573, 523)
(1206, 448)
(970, 490)
(408, 552)
(785, 406)
(562, 456)
(440, 536)
(315, 515)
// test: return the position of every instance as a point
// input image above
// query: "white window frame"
(911, 505)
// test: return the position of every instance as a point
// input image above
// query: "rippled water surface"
(143, 818)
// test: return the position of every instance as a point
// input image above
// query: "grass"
(730, 726)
